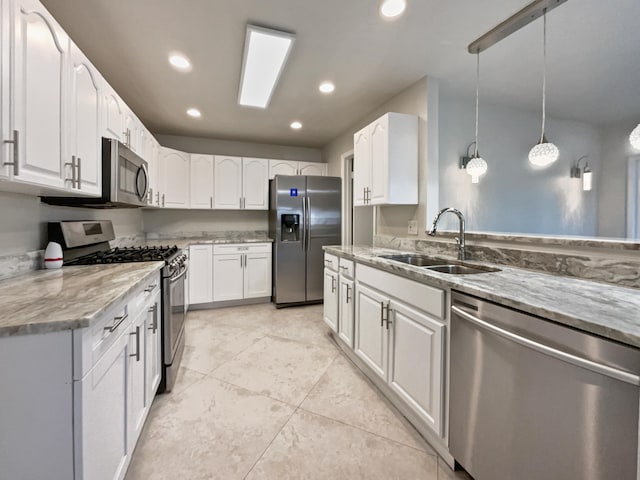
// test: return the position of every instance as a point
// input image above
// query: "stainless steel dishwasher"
(534, 400)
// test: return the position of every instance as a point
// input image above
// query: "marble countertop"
(68, 298)
(606, 310)
(223, 239)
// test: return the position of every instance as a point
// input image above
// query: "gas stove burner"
(128, 254)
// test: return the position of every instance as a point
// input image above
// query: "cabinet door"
(152, 163)
(282, 167)
(113, 116)
(84, 123)
(5, 98)
(174, 174)
(312, 168)
(371, 336)
(361, 167)
(330, 307)
(379, 137)
(136, 393)
(417, 362)
(228, 281)
(227, 177)
(40, 81)
(131, 130)
(101, 421)
(201, 187)
(255, 184)
(201, 274)
(257, 275)
(152, 350)
(346, 311)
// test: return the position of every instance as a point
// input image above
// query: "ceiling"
(593, 60)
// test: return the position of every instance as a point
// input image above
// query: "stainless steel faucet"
(460, 239)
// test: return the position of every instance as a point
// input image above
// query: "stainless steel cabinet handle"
(79, 167)
(348, 292)
(388, 319)
(72, 164)
(158, 199)
(553, 352)
(333, 284)
(382, 314)
(163, 199)
(150, 196)
(150, 288)
(16, 159)
(210, 202)
(119, 321)
(154, 310)
(137, 354)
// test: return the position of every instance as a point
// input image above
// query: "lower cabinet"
(331, 299)
(229, 272)
(372, 337)
(76, 400)
(346, 310)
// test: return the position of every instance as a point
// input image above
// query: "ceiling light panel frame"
(266, 52)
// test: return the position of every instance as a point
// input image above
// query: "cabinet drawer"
(241, 248)
(346, 268)
(427, 298)
(331, 261)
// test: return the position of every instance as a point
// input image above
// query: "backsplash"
(611, 262)
(227, 235)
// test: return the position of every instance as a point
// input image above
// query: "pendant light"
(545, 152)
(476, 165)
(634, 137)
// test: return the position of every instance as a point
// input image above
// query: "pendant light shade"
(634, 138)
(545, 152)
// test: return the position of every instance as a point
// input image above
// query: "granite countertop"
(68, 298)
(208, 240)
(606, 310)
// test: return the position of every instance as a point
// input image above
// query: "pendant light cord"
(475, 154)
(544, 72)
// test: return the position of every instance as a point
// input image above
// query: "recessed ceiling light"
(392, 8)
(194, 112)
(296, 125)
(327, 87)
(180, 62)
(265, 53)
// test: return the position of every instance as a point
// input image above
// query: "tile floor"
(266, 394)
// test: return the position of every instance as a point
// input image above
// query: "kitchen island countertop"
(606, 310)
(68, 298)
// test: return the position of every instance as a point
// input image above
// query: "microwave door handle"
(142, 195)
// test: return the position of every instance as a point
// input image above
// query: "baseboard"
(229, 303)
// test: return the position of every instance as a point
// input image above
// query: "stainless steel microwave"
(125, 180)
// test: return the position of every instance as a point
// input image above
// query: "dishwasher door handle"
(547, 350)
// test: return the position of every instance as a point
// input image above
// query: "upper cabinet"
(113, 114)
(40, 51)
(85, 148)
(174, 174)
(201, 187)
(386, 161)
(289, 167)
(241, 183)
(131, 131)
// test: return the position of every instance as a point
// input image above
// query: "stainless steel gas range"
(87, 243)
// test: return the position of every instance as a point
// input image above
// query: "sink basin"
(438, 264)
(417, 260)
(461, 269)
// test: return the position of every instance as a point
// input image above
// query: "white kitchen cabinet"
(386, 161)
(153, 348)
(174, 177)
(312, 168)
(201, 185)
(153, 162)
(200, 274)
(416, 363)
(131, 130)
(241, 271)
(84, 127)
(136, 378)
(113, 114)
(282, 167)
(5, 98)
(255, 184)
(346, 308)
(371, 337)
(241, 183)
(330, 299)
(40, 82)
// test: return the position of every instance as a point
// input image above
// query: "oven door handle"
(182, 274)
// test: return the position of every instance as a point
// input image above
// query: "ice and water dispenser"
(290, 227)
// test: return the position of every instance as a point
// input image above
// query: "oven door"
(132, 182)
(174, 315)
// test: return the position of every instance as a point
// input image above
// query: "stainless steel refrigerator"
(304, 215)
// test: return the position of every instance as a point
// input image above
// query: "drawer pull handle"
(150, 288)
(119, 321)
(154, 310)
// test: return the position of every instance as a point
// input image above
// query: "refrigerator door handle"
(308, 226)
(303, 237)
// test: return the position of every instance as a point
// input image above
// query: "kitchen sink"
(460, 269)
(438, 264)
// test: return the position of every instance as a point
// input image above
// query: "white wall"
(239, 149)
(23, 221)
(513, 196)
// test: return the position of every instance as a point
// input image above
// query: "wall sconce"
(474, 164)
(585, 173)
